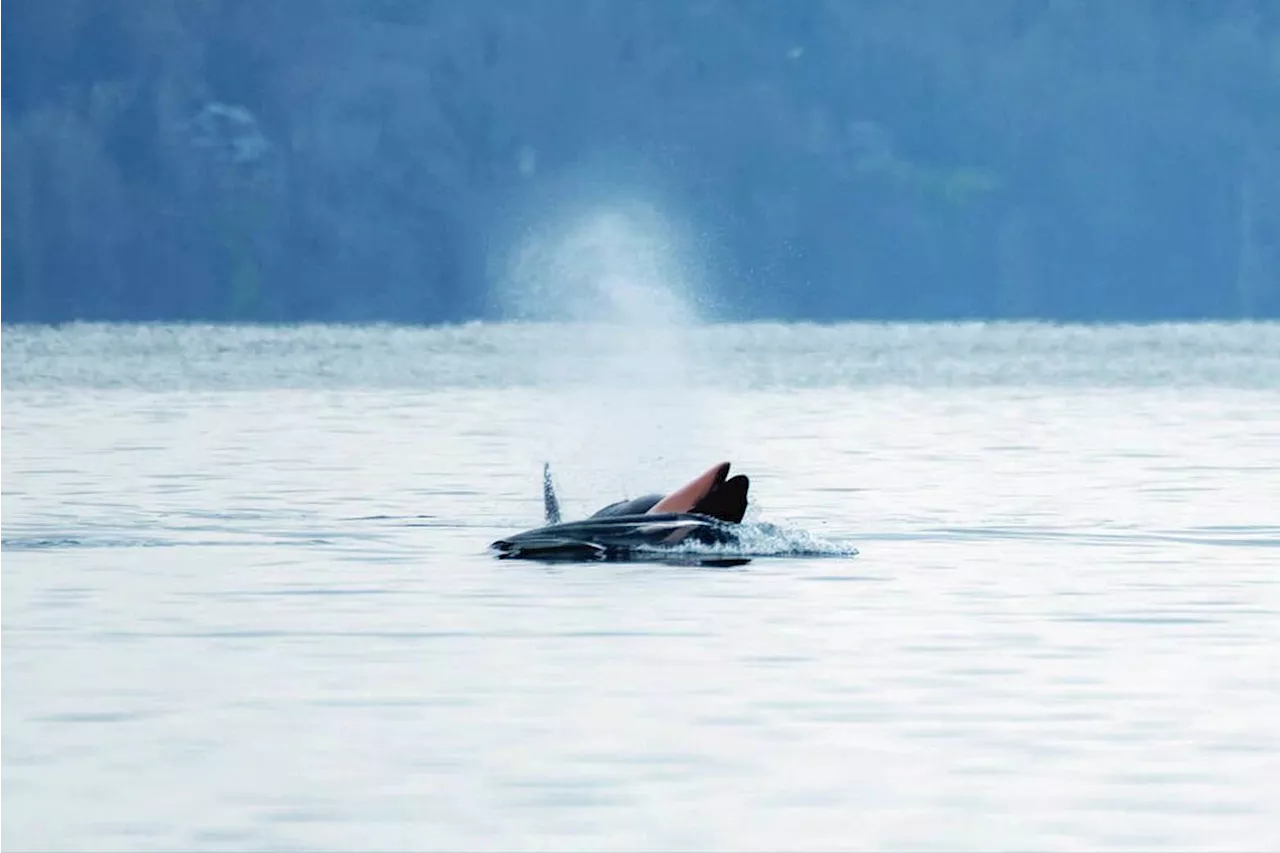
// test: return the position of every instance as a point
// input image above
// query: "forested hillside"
(362, 159)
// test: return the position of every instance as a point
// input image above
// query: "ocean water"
(248, 603)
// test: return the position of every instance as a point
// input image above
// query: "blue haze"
(380, 160)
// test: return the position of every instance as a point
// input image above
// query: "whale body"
(706, 511)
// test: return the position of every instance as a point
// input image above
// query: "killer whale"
(708, 511)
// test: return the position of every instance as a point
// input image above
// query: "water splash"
(624, 264)
(618, 282)
(762, 539)
(756, 540)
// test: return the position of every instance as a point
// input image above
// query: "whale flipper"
(550, 505)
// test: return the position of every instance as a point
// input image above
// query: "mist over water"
(621, 416)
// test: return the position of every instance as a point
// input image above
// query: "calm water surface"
(247, 602)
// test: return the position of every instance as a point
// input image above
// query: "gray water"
(247, 601)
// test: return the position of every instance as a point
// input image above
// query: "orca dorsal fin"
(550, 505)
